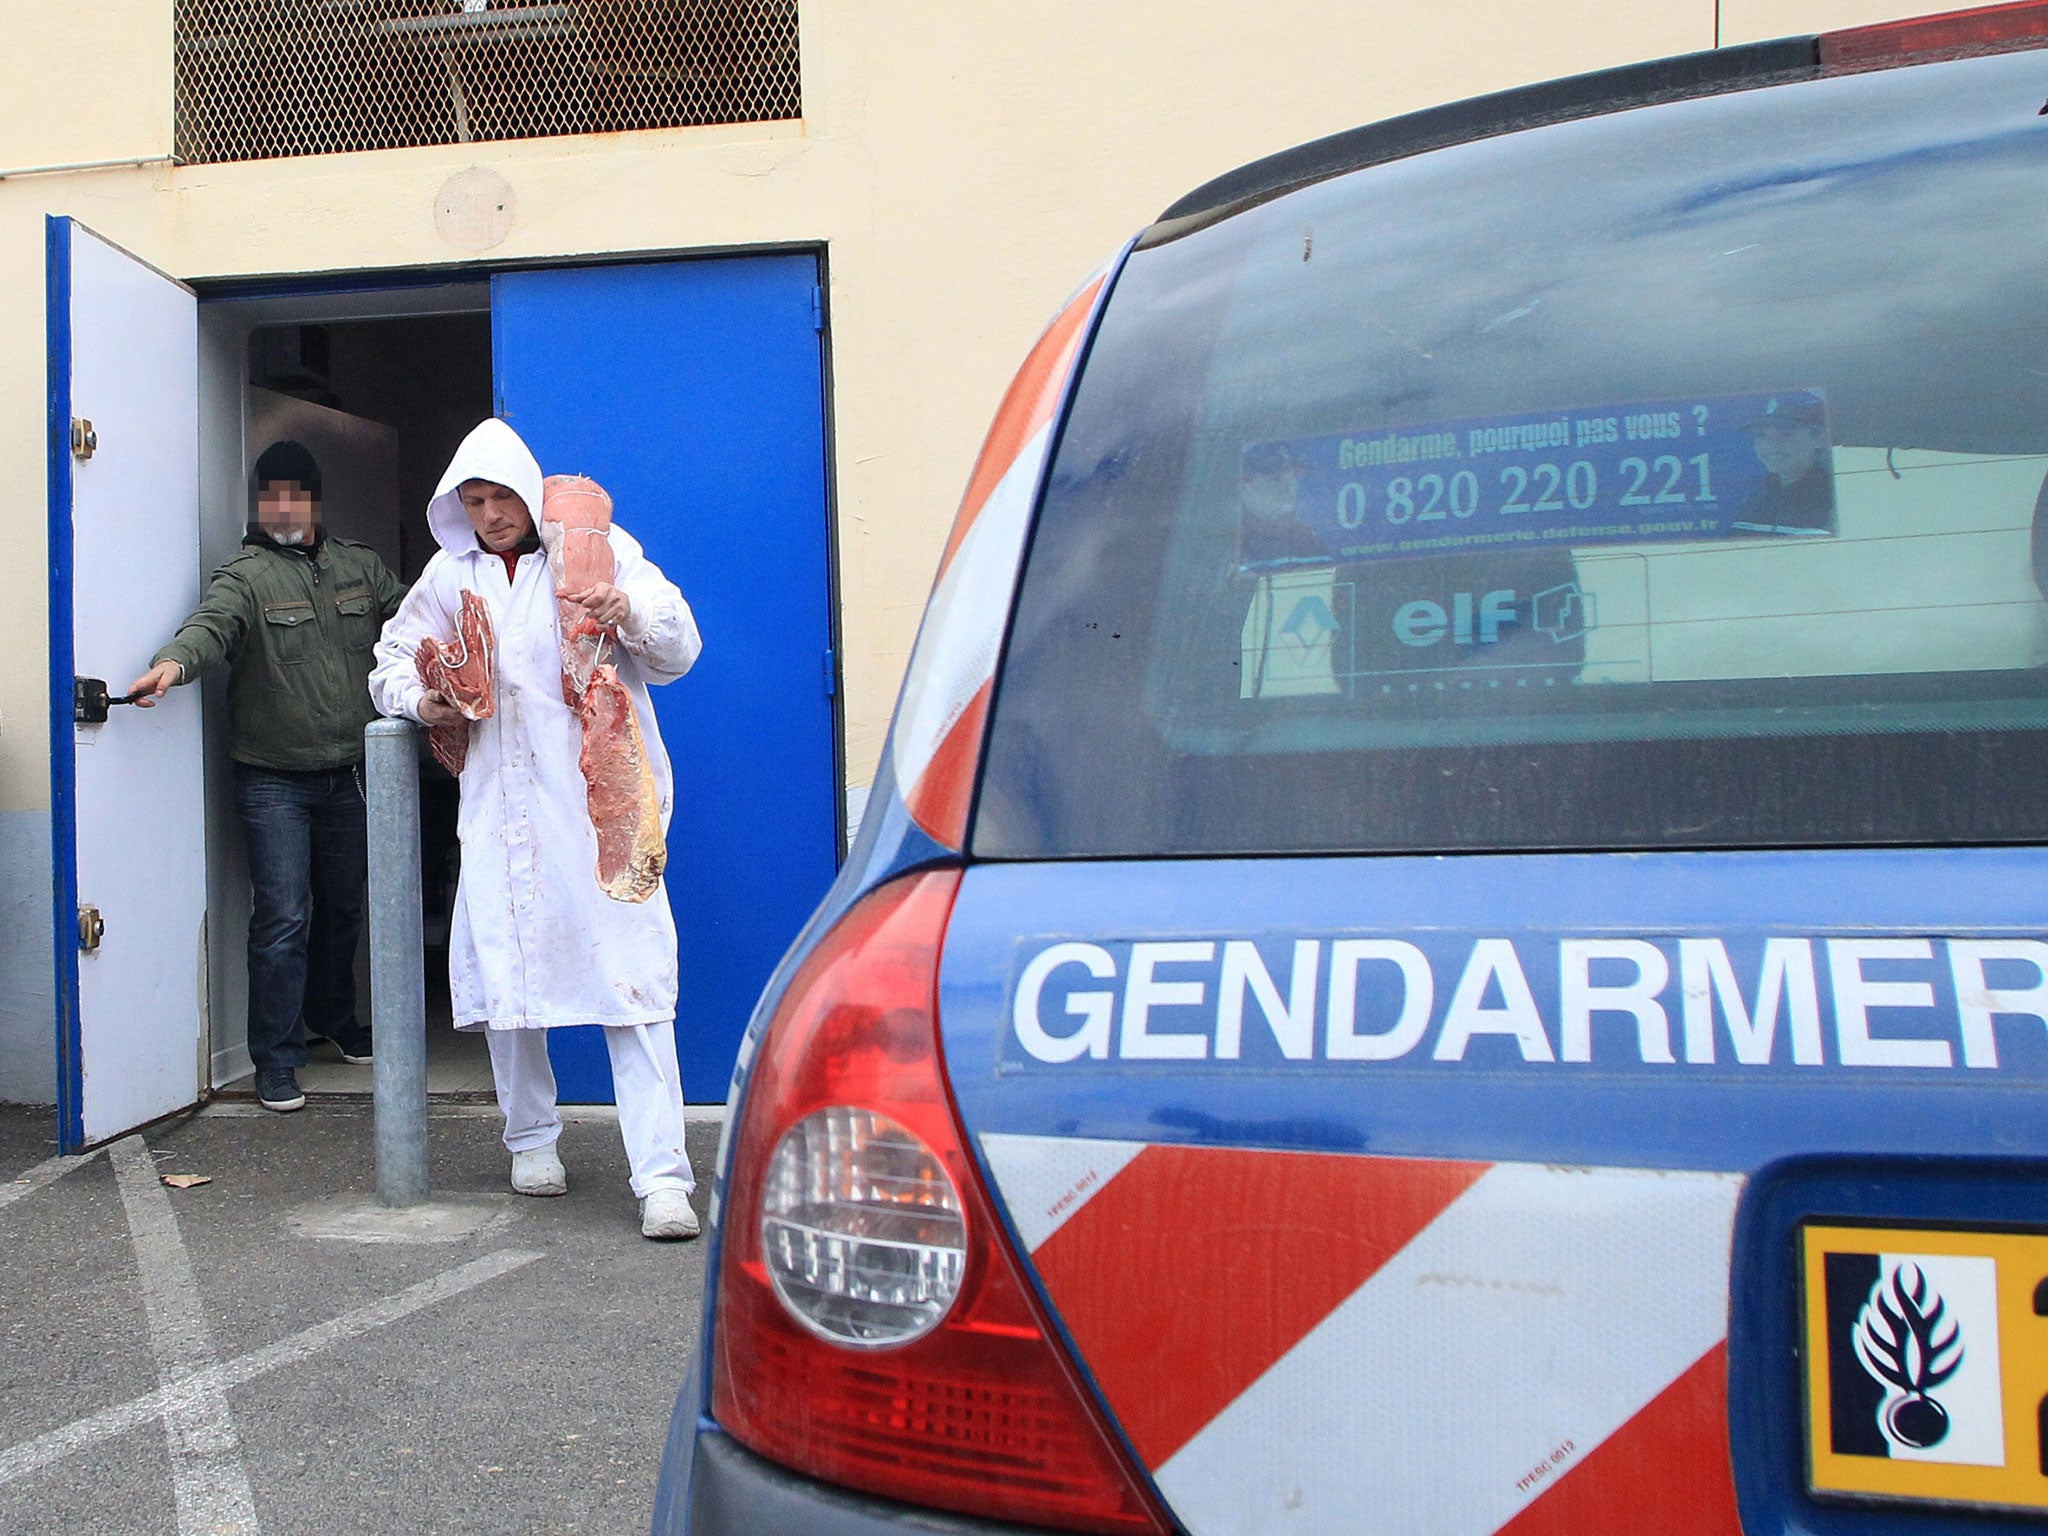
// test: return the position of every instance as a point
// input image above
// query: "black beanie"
(284, 460)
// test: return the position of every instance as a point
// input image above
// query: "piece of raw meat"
(623, 799)
(576, 516)
(462, 671)
(625, 804)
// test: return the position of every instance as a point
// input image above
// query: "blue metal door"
(693, 391)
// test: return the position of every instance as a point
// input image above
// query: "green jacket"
(295, 627)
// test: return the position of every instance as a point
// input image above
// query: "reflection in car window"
(1664, 479)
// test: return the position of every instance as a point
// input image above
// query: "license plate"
(1927, 1365)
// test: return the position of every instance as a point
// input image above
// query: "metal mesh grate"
(263, 78)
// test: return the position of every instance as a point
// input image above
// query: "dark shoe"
(355, 1051)
(278, 1088)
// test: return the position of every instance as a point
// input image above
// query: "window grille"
(264, 78)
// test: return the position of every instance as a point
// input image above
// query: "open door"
(126, 788)
(693, 391)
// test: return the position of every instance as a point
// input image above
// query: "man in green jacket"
(294, 616)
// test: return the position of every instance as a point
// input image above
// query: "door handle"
(90, 701)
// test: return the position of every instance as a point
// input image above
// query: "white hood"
(492, 452)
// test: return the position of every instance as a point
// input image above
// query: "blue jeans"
(308, 862)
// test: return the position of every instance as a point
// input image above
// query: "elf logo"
(1913, 1358)
(1423, 623)
(1562, 613)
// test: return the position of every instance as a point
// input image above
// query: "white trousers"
(645, 1080)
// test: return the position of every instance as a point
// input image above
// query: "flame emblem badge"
(1910, 1346)
(1906, 1365)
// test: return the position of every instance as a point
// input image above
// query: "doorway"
(380, 400)
(694, 391)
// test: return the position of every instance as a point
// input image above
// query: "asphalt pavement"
(268, 1352)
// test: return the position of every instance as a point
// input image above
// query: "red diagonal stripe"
(940, 798)
(1666, 1470)
(1196, 1269)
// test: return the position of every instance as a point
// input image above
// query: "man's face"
(287, 512)
(497, 513)
(1788, 451)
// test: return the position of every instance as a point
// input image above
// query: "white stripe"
(1045, 1179)
(963, 624)
(33, 1455)
(1543, 1309)
(206, 1455)
(44, 1173)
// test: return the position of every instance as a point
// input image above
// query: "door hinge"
(91, 929)
(818, 308)
(831, 674)
(85, 439)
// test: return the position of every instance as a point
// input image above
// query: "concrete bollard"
(398, 983)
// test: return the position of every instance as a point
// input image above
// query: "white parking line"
(33, 1455)
(43, 1173)
(206, 1454)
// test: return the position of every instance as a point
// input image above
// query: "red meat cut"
(623, 799)
(625, 803)
(462, 671)
(576, 516)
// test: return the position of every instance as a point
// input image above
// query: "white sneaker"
(666, 1215)
(539, 1172)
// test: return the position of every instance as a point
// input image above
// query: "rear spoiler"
(1749, 66)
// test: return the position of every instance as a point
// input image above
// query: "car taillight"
(1954, 34)
(873, 1326)
(861, 1229)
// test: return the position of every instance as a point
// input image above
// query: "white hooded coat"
(535, 942)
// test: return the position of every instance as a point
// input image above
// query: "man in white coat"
(536, 943)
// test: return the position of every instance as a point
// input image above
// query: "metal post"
(398, 985)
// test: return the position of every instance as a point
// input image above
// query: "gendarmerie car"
(1450, 940)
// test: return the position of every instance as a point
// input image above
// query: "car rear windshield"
(1668, 479)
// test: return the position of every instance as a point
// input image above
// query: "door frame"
(313, 287)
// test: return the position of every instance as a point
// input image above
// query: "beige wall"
(965, 164)
(83, 82)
